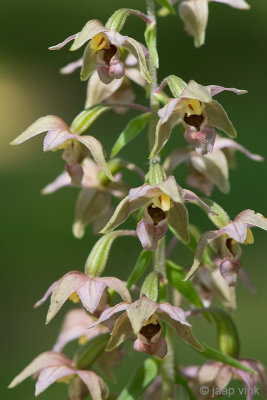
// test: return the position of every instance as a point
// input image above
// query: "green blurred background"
(37, 243)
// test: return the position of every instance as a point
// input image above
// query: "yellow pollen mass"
(152, 320)
(82, 340)
(74, 297)
(165, 202)
(99, 42)
(250, 237)
(193, 107)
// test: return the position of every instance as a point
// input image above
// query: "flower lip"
(150, 330)
(194, 120)
(156, 213)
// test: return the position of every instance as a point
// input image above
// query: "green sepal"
(98, 257)
(175, 275)
(219, 217)
(132, 129)
(166, 4)
(140, 267)
(176, 85)
(150, 287)
(91, 350)
(151, 42)
(142, 379)
(156, 173)
(118, 18)
(87, 117)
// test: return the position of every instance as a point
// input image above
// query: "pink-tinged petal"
(159, 348)
(190, 372)
(46, 295)
(143, 193)
(140, 311)
(49, 358)
(245, 279)
(204, 240)
(175, 313)
(241, 4)
(229, 270)
(109, 312)
(55, 138)
(97, 91)
(61, 181)
(215, 373)
(215, 89)
(117, 285)
(71, 67)
(251, 218)
(50, 375)
(92, 28)
(176, 158)
(135, 76)
(62, 44)
(74, 326)
(203, 140)
(90, 294)
(75, 171)
(250, 382)
(95, 384)
(116, 38)
(236, 230)
(175, 317)
(68, 284)
(149, 234)
(222, 143)
(43, 124)
(165, 112)
(191, 197)
(200, 182)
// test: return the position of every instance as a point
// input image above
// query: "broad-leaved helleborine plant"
(151, 308)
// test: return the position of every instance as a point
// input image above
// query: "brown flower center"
(150, 330)
(194, 120)
(156, 213)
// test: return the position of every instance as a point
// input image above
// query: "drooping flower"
(164, 203)
(216, 376)
(94, 203)
(60, 137)
(54, 367)
(199, 114)
(211, 169)
(194, 14)
(236, 231)
(103, 52)
(143, 318)
(80, 287)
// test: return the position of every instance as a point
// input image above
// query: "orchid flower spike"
(194, 14)
(209, 170)
(216, 376)
(143, 318)
(103, 52)
(199, 114)
(237, 231)
(164, 203)
(80, 287)
(60, 137)
(54, 367)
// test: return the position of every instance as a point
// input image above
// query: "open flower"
(94, 203)
(237, 231)
(103, 52)
(78, 286)
(60, 137)
(143, 318)
(164, 203)
(199, 114)
(56, 367)
(209, 170)
(194, 14)
(216, 376)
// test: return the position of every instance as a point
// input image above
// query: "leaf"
(211, 353)
(176, 85)
(91, 350)
(132, 129)
(142, 379)
(86, 118)
(118, 19)
(98, 257)
(219, 217)
(175, 275)
(151, 42)
(166, 4)
(150, 287)
(139, 268)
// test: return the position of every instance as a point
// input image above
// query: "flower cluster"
(148, 313)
